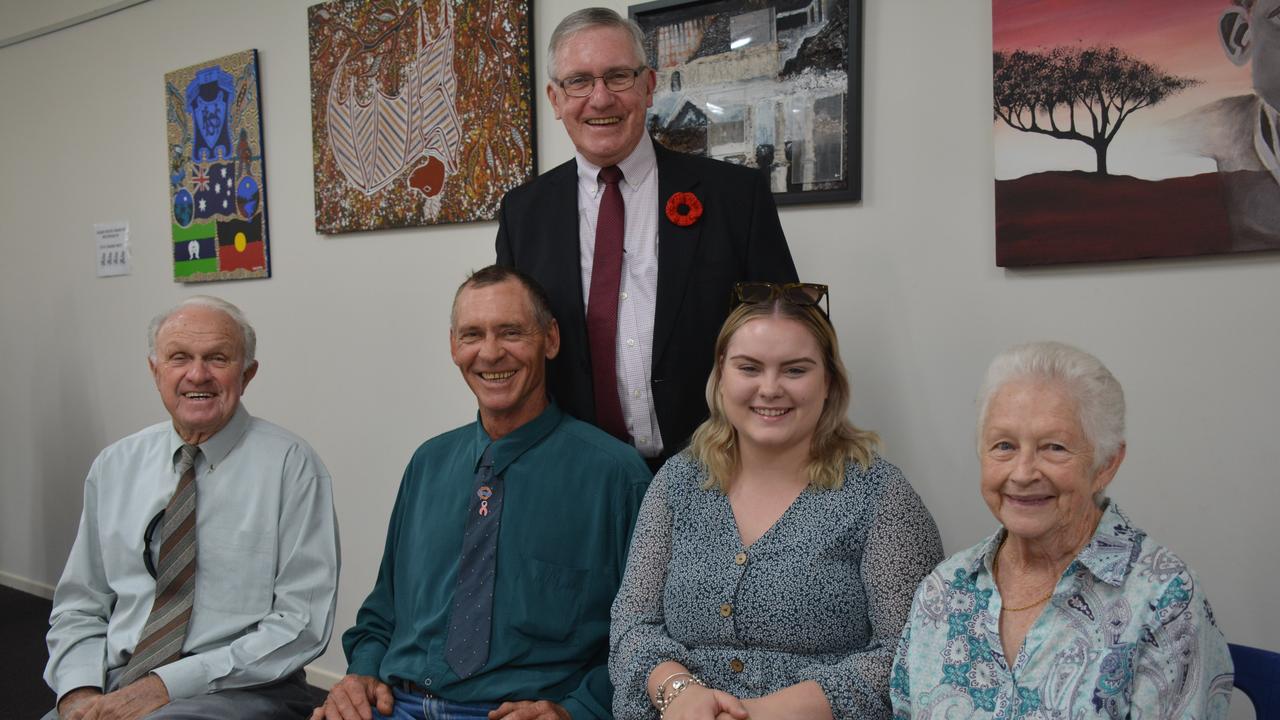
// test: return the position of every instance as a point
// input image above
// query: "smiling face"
(773, 385)
(502, 352)
(604, 126)
(1038, 477)
(199, 370)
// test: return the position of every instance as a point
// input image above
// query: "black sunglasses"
(796, 293)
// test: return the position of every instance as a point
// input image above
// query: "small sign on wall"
(113, 248)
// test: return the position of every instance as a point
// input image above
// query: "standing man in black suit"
(638, 246)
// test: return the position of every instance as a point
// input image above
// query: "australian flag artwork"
(217, 178)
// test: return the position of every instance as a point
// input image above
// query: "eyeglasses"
(797, 293)
(614, 80)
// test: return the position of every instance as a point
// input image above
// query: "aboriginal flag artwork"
(217, 181)
(421, 110)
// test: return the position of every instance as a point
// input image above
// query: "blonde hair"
(835, 439)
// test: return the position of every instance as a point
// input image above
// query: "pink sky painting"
(1178, 36)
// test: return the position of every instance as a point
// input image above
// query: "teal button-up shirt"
(572, 493)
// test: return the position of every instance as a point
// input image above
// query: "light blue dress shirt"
(1127, 633)
(267, 561)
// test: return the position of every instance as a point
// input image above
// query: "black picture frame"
(769, 71)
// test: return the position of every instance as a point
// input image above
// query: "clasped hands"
(135, 700)
(701, 703)
(355, 697)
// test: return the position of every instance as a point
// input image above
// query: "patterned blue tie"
(467, 648)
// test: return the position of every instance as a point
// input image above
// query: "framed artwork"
(771, 84)
(1128, 130)
(421, 110)
(217, 180)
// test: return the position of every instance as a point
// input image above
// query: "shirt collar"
(511, 446)
(1110, 554)
(635, 167)
(1114, 549)
(220, 445)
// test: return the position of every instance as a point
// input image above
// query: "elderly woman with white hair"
(1068, 610)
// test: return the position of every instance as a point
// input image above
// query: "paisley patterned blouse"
(821, 596)
(1127, 633)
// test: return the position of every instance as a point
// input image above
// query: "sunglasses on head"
(797, 293)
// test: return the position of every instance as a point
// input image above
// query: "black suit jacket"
(737, 238)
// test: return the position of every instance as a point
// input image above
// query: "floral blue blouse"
(821, 596)
(1127, 633)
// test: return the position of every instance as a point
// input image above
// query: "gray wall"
(353, 327)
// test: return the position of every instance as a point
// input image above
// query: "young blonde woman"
(774, 561)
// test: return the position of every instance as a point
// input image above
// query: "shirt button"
(726, 610)
(643, 439)
(740, 558)
(631, 342)
(635, 393)
(623, 296)
(736, 665)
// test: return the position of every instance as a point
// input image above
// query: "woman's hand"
(802, 701)
(699, 703)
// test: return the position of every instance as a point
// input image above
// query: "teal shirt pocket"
(549, 605)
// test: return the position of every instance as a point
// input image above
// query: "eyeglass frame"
(635, 74)
(779, 291)
(147, 536)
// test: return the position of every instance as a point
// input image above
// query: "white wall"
(353, 327)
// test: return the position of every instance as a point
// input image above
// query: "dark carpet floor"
(24, 622)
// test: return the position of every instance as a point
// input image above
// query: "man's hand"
(529, 710)
(128, 703)
(76, 703)
(354, 697)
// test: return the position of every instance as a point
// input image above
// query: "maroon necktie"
(602, 305)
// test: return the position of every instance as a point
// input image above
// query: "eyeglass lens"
(614, 80)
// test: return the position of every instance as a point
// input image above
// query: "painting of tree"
(1125, 130)
(1077, 94)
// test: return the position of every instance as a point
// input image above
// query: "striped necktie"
(166, 627)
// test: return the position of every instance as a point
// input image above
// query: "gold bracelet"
(677, 687)
(662, 686)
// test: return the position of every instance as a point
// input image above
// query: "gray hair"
(249, 338)
(586, 19)
(539, 303)
(1098, 397)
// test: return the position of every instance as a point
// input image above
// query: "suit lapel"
(677, 247)
(562, 239)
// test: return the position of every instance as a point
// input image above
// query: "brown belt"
(412, 687)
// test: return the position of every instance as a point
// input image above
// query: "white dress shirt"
(266, 554)
(638, 298)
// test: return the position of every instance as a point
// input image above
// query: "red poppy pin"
(684, 209)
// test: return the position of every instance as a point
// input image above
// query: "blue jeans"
(411, 706)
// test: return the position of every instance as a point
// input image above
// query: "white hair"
(1098, 397)
(249, 338)
(585, 19)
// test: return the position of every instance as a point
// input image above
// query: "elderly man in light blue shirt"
(205, 570)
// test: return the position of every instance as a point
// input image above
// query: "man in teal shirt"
(559, 500)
